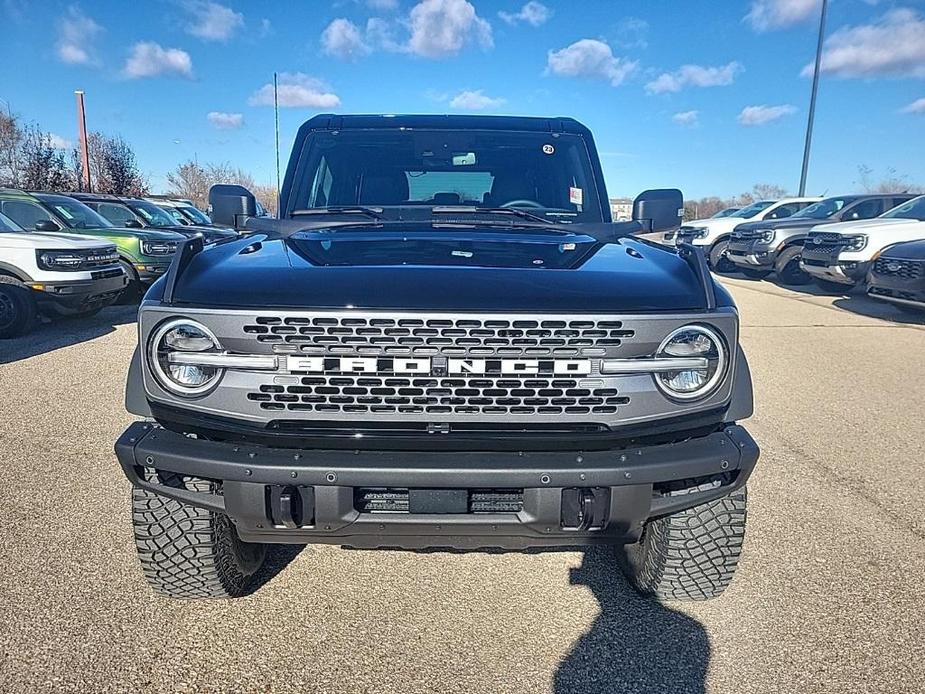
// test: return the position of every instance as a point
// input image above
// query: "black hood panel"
(447, 269)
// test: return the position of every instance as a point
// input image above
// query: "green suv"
(144, 254)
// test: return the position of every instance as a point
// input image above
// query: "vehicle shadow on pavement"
(277, 559)
(636, 644)
(66, 332)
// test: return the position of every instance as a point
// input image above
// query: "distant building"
(621, 209)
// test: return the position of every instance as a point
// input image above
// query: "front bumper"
(74, 296)
(148, 272)
(848, 273)
(261, 487)
(898, 290)
(751, 254)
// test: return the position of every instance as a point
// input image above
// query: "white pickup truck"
(838, 256)
(55, 274)
(713, 234)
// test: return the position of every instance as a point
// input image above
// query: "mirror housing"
(46, 225)
(133, 224)
(660, 209)
(231, 205)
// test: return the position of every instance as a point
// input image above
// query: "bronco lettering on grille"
(572, 367)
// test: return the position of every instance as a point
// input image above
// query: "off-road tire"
(717, 257)
(18, 311)
(754, 274)
(690, 555)
(832, 287)
(788, 267)
(189, 552)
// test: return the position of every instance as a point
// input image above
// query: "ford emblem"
(894, 267)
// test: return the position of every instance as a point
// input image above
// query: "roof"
(330, 121)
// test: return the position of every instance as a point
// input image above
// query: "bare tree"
(890, 182)
(193, 180)
(190, 181)
(769, 191)
(11, 138)
(113, 167)
(42, 166)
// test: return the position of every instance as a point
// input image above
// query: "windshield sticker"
(548, 149)
(574, 195)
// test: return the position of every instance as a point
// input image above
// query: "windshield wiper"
(468, 209)
(372, 212)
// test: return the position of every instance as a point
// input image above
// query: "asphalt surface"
(829, 596)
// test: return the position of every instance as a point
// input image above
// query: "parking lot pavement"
(829, 595)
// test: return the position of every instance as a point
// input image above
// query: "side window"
(868, 209)
(117, 214)
(26, 214)
(783, 211)
(897, 202)
(320, 194)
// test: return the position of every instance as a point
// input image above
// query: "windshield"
(914, 209)
(728, 212)
(177, 216)
(152, 214)
(753, 209)
(822, 209)
(546, 174)
(7, 224)
(194, 214)
(74, 213)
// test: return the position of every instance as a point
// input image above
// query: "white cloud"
(686, 117)
(694, 76)
(343, 39)
(77, 34)
(441, 28)
(149, 59)
(766, 15)
(533, 13)
(225, 121)
(632, 32)
(58, 142)
(893, 46)
(296, 90)
(211, 21)
(759, 115)
(475, 101)
(589, 58)
(917, 106)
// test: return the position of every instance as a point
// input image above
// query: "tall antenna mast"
(84, 145)
(276, 113)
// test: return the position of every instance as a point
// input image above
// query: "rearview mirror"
(659, 209)
(132, 224)
(46, 225)
(231, 205)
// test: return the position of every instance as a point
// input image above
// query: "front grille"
(106, 274)
(434, 337)
(826, 238)
(904, 269)
(517, 395)
(396, 500)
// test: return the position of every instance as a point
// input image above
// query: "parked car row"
(73, 254)
(838, 242)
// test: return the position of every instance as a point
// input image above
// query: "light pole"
(84, 145)
(812, 100)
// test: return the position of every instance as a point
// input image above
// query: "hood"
(442, 269)
(717, 224)
(910, 250)
(786, 223)
(148, 233)
(861, 226)
(52, 241)
(210, 234)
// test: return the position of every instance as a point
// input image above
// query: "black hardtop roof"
(331, 121)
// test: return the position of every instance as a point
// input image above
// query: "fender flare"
(742, 403)
(135, 400)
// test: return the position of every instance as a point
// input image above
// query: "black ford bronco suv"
(443, 342)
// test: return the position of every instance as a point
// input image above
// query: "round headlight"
(692, 341)
(179, 336)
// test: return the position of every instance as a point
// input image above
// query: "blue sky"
(705, 96)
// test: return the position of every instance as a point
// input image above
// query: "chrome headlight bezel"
(766, 236)
(856, 243)
(719, 369)
(158, 248)
(157, 367)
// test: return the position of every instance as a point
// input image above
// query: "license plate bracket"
(438, 501)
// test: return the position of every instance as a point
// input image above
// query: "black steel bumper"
(80, 295)
(560, 498)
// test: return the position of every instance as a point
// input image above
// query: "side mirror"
(46, 225)
(231, 205)
(133, 224)
(659, 210)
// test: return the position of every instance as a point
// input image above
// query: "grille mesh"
(432, 337)
(907, 269)
(357, 394)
